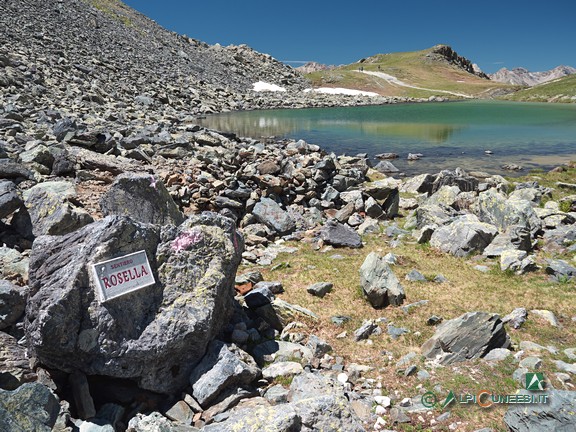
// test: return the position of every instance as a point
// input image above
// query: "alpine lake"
(474, 135)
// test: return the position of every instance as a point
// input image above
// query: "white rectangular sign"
(122, 275)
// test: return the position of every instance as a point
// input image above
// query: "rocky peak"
(446, 53)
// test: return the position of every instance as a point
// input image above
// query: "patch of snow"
(264, 86)
(340, 90)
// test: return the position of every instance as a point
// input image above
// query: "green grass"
(550, 180)
(561, 90)
(113, 8)
(467, 290)
(283, 380)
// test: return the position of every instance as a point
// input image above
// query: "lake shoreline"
(476, 135)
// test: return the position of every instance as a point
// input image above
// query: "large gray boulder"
(557, 415)
(31, 407)
(433, 215)
(557, 238)
(496, 209)
(39, 154)
(516, 237)
(465, 235)
(154, 335)
(470, 336)
(379, 283)
(224, 365)
(422, 183)
(445, 196)
(316, 403)
(373, 209)
(143, 198)
(517, 261)
(532, 194)
(269, 213)
(52, 209)
(15, 171)
(560, 269)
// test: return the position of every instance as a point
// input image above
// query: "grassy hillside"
(418, 68)
(466, 289)
(560, 90)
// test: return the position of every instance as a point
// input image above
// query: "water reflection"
(247, 124)
(432, 132)
(449, 135)
(267, 124)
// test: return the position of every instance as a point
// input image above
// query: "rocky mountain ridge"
(446, 53)
(523, 77)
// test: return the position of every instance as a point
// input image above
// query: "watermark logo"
(429, 399)
(449, 399)
(486, 398)
(535, 381)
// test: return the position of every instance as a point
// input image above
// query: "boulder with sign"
(153, 334)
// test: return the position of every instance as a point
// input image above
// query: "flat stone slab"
(339, 235)
(472, 335)
(284, 369)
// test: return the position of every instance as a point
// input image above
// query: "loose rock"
(470, 336)
(338, 235)
(379, 283)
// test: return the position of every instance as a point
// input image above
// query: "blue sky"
(493, 34)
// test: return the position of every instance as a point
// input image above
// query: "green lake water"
(533, 135)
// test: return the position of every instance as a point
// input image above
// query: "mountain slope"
(560, 90)
(438, 69)
(523, 77)
(113, 54)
